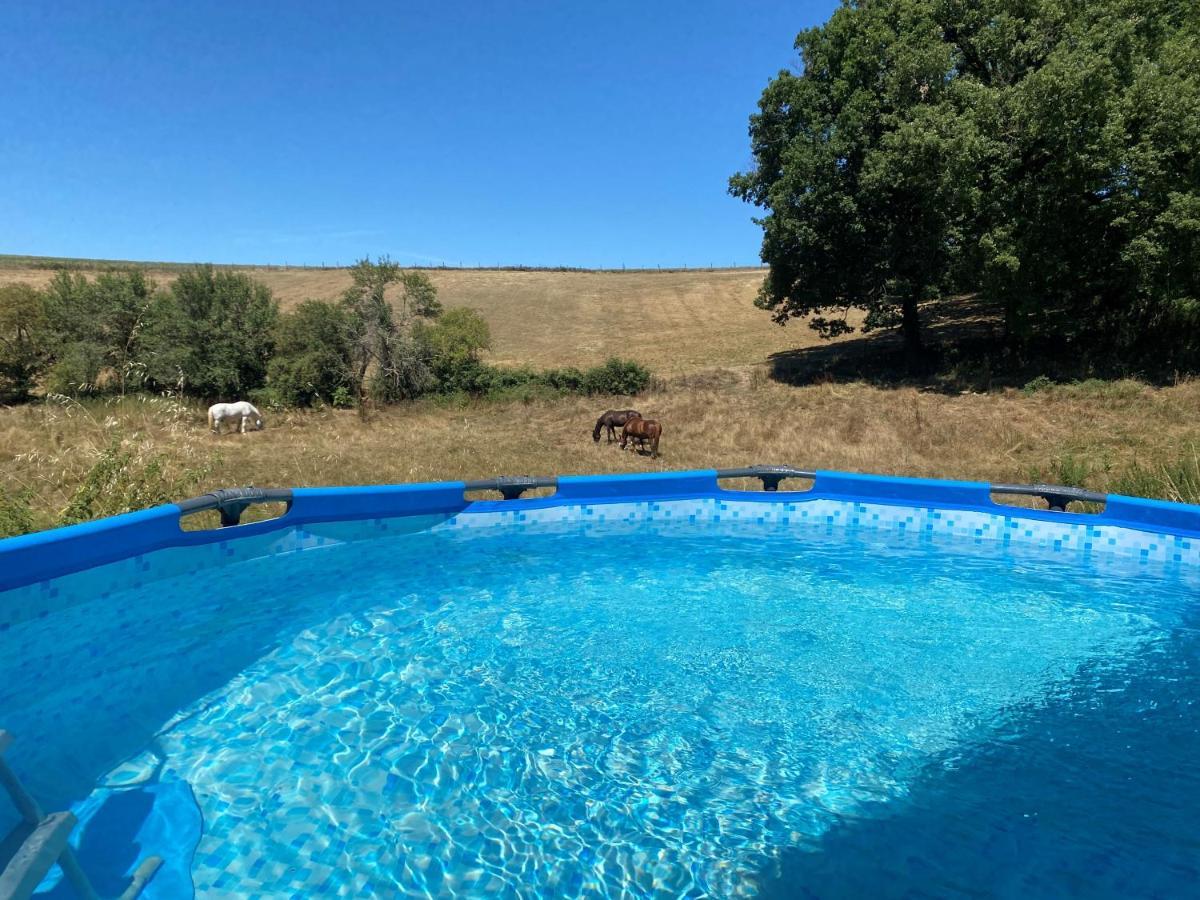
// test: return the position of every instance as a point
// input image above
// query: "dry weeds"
(1001, 436)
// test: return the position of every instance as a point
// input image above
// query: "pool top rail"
(40, 556)
(232, 502)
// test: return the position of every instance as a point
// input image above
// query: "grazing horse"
(613, 419)
(642, 430)
(219, 412)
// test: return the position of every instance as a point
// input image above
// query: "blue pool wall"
(39, 558)
(54, 573)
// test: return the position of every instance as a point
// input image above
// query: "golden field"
(673, 321)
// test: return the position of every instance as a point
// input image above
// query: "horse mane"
(599, 426)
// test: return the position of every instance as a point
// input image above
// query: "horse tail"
(654, 441)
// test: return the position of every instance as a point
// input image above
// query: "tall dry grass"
(1106, 438)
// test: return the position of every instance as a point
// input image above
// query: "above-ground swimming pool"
(638, 686)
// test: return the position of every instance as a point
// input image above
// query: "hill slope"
(674, 322)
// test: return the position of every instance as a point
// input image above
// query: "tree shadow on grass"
(966, 351)
(1088, 794)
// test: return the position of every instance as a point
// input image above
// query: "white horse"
(219, 412)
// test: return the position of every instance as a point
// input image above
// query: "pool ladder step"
(30, 851)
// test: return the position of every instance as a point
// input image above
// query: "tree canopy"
(382, 337)
(217, 334)
(212, 334)
(1044, 153)
(24, 332)
(312, 361)
(98, 325)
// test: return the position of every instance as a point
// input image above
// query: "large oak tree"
(1043, 152)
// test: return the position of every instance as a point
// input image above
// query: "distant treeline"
(68, 264)
(219, 334)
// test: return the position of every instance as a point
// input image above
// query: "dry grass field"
(715, 396)
(1108, 436)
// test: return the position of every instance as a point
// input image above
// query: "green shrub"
(97, 328)
(124, 478)
(529, 392)
(455, 341)
(24, 336)
(507, 378)
(311, 362)
(1119, 389)
(457, 335)
(1071, 471)
(1040, 383)
(212, 335)
(16, 515)
(616, 376)
(342, 398)
(268, 398)
(1138, 481)
(77, 371)
(467, 375)
(568, 381)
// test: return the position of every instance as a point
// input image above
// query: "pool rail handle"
(511, 487)
(1057, 496)
(770, 476)
(40, 841)
(231, 503)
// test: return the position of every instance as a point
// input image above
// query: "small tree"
(98, 327)
(382, 341)
(78, 353)
(24, 340)
(124, 300)
(312, 360)
(212, 334)
(455, 341)
(459, 335)
(420, 296)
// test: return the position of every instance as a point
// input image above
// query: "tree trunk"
(910, 328)
(360, 387)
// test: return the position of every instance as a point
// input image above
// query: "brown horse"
(613, 419)
(642, 430)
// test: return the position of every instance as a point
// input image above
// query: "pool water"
(692, 712)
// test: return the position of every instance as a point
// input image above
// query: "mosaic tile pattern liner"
(1015, 532)
(326, 746)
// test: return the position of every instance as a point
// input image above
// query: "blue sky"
(587, 134)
